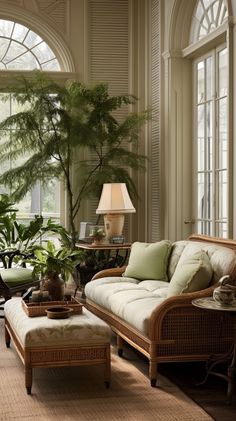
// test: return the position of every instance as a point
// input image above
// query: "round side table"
(208, 303)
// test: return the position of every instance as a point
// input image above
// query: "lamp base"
(114, 224)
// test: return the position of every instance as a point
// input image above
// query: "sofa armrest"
(174, 303)
(109, 272)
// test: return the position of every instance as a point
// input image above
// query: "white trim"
(219, 35)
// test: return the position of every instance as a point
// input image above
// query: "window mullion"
(214, 147)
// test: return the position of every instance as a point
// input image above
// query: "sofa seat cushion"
(128, 299)
(149, 261)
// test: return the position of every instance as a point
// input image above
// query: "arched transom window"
(23, 49)
(208, 15)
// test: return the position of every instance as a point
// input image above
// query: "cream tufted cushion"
(79, 329)
(128, 298)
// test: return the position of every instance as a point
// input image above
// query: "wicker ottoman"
(41, 342)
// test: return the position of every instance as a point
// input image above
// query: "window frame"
(215, 136)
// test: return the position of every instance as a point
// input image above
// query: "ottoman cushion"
(85, 328)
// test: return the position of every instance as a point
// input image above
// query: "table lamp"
(114, 203)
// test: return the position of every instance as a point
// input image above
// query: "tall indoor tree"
(65, 129)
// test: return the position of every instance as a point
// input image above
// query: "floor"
(211, 396)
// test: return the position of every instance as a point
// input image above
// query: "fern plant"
(70, 128)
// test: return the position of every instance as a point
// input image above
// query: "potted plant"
(54, 265)
(97, 234)
(18, 240)
(70, 128)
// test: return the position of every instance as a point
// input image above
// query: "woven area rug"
(78, 393)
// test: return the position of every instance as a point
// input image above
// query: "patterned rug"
(78, 393)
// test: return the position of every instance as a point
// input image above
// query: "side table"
(111, 255)
(209, 304)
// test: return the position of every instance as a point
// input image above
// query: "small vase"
(54, 285)
(97, 241)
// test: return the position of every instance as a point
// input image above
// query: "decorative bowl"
(58, 312)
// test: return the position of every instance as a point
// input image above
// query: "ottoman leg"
(28, 373)
(28, 379)
(107, 374)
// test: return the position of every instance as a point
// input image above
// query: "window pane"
(4, 165)
(221, 230)
(51, 65)
(223, 75)
(208, 195)
(6, 27)
(43, 52)
(201, 138)
(25, 62)
(32, 39)
(15, 50)
(24, 206)
(4, 107)
(200, 81)
(51, 198)
(19, 32)
(200, 190)
(209, 136)
(223, 195)
(209, 78)
(223, 144)
(3, 47)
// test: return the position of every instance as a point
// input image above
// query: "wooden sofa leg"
(120, 343)
(7, 338)
(153, 372)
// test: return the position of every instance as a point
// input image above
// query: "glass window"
(212, 144)
(43, 199)
(23, 49)
(208, 15)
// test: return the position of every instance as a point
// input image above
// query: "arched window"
(211, 146)
(23, 49)
(208, 15)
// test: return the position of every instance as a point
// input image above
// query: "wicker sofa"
(175, 330)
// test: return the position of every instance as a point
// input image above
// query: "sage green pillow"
(193, 273)
(149, 261)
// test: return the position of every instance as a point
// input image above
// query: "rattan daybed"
(177, 331)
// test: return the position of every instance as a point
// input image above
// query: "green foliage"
(65, 127)
(50, 260)
(5, 206)
(24, 237)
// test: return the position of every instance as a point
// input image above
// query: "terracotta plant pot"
(54, 285)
